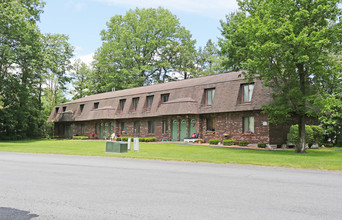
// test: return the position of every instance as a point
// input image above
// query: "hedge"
(141, 139)
(229, 142)
(214, 141)
(243, 143)
(80, 137)
(262, 145)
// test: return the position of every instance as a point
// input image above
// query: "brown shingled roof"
(163, 86)
(185, 97)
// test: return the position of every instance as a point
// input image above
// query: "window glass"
(210, 93)
(136, 127)
(165, 97)
(81, 107)
(248, 124)
(123, 127)
(122, 104)
(211, 125)
(248, 92)
(150, 127)
(135, 103)
(165, 127)
(96, 105)
(149, 102)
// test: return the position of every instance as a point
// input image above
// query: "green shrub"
(262, 145)
(243, 143)
(141, 139)
(318, 133)
(328, 145)
(214, 141)
(149, 139)
(294, 136)
(80, 137)
(229, 142)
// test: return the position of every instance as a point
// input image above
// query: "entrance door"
(192, 128)
(183, 133)
(106, 130)
(68, 131)
(174, 130)
(101, 131)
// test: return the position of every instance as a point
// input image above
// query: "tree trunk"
(300, 147)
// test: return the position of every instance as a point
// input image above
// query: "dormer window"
(96, 105)
(64, 108)
(135, 102)
(209, 96)
(149, 101)
(57, 109)
(122, 104)
(81, 108)
(165, 97)
(247, 92)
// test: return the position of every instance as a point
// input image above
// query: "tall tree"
(289, 45)
(142, 47)
(81, 76)
(27, 61)
(208, 60)
(19, 51)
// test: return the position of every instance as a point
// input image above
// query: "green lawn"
(314, 159)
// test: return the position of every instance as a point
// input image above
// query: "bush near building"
(214, 141)
(229, 142)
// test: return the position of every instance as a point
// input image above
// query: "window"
(165, 128)
(123, 127)
(96, 105)
(111, 127)
(57, 109)
(149, 101)
(122, 104)
(96, 128)
(64, 108)
(165, 97)
(248, 124)
(136, 129)
(211, 125)
(150, 127)
(135, 102)
(247, 92)
(81, 108)
(209, 96)
(82, 128)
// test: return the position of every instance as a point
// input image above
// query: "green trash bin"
(116, 147)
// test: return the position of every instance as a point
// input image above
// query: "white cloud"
(87, 59)
(212, 8)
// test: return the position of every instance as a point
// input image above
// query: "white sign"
(136, 144)
(129, 144)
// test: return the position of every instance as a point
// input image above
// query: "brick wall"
(226, 123)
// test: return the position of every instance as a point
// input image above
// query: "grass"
(313, 159)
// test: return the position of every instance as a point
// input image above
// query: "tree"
(81, 77)
(142, 47)
(27, 60)
(19, 51)
(289, 45)
(208, 60)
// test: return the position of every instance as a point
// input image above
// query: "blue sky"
(82, 20)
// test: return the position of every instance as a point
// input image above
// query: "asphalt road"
(40, 186)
